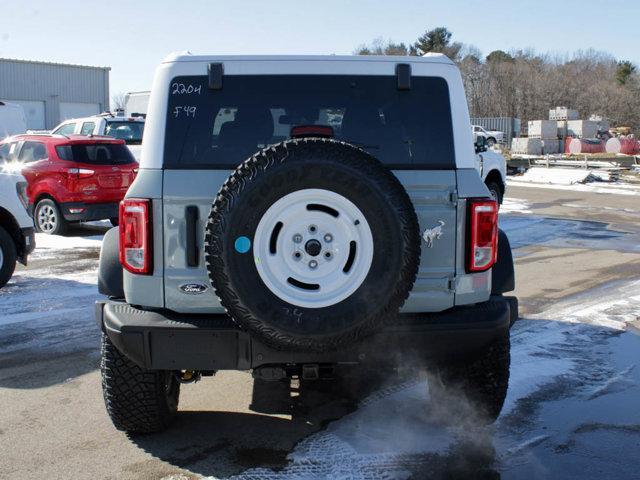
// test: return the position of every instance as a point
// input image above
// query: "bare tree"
(526, 84)
(118, 101)
(379, 46)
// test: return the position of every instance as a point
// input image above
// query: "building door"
(77, 110)
(33, 113)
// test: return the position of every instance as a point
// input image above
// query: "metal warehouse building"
(52, 92)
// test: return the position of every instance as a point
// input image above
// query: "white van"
(12, 120)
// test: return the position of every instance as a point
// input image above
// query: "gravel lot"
(571, 412)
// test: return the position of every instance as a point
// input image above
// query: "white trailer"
(136, 103)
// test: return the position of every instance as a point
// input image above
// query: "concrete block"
(582, 128)
(562, 128)
(543, 129)
(563, 113)
(551, 145)
(526, 146)
(603, 123)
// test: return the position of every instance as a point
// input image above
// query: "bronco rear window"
(408, 129)
(96, 154)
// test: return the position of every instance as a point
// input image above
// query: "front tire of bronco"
(137, 400)
(474, 390)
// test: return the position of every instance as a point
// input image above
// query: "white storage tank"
(627, 145)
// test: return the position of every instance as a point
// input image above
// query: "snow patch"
(393, 426)
(515, 205)
(59, 242)
(610, 188)
(556, 176)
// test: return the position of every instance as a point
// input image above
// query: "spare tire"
(312, 244)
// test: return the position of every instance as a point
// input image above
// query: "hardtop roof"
(426, 58)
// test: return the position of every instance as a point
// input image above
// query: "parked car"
(492, 136)
(492, 167)
(129, 129)
(297, 215)
(12, 120)
(72, 178)
(17, 238)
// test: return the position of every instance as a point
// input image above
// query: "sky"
(132, 37)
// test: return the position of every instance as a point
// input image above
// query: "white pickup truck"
(129, 129)
(492, 136)
(492, 167)
(17, 236)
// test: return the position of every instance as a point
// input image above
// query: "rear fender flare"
(502, 273)
(110, 270)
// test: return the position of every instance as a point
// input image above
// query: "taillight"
(482, 241)
(135, 235)
(81, 172)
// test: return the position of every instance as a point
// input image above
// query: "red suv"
(71, 179)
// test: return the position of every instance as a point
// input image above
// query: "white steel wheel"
(47, 218)
(313, 248)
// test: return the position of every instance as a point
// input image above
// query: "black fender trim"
(502, 274)
(110, 270)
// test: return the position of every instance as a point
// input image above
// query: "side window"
(4, 152)
(66, 129)
(32, 152)
(87, 128)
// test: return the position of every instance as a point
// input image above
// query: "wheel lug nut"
(297, 238)
(328, 237)
(313, 228)
(313, 264)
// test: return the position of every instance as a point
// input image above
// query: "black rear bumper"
(89, 211)
(163, 340)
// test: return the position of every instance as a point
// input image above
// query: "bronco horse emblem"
(431, 234)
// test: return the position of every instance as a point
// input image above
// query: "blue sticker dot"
(243, 244)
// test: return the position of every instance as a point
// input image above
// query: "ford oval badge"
(193, 288)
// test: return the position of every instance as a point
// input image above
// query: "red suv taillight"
(135, 235)
(482, 241)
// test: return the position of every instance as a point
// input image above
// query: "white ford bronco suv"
(297, 214)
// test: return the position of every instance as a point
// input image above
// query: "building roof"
(37, 62)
